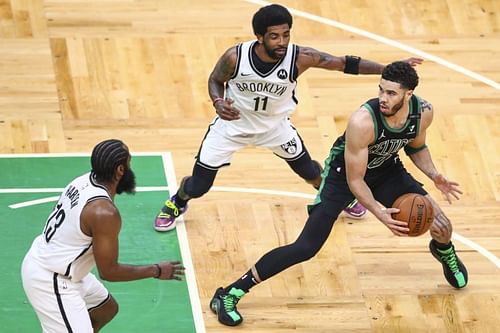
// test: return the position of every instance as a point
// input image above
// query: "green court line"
(147, 305)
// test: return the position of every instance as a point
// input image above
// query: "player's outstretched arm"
(101, 220)
(309, 57)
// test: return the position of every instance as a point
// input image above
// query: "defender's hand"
(226, 111)
(413, 61)
(171, 270)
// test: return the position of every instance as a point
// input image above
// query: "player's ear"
(260, 38)
(120, 171)
(409, 93)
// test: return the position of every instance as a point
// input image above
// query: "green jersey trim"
(399, 130)
(375, 122)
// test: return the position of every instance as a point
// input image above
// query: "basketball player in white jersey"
(252, 88)
(80, 233)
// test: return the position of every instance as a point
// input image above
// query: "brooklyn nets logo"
(290, 147)
(282, 74)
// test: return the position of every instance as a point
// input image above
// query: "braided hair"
(106, 157)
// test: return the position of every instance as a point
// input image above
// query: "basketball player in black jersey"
(271, 25)
(364, 163)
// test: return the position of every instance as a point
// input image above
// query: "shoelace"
(173, 207)
(352, 204)
(230, 302)
(451, 260)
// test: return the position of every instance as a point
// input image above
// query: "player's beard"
(272, 52)
(395, 108)
(126, 183)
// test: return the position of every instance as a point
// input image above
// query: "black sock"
(441, 246)
(181, 203)
(244, 283)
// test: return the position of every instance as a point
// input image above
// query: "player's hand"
(171, 270)
(398, 228)
(448, 188)
(226, 111)
(413, 61)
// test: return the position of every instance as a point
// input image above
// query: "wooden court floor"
(73, 72)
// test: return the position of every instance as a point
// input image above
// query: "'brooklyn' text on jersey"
(271, 88)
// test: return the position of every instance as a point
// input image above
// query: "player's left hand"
(448, 188)
(413, 61)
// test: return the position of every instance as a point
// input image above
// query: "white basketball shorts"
(218, 147)
(59, 303)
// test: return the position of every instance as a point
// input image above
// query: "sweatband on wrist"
(410, 150)
(351, 64)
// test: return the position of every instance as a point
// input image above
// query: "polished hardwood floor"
(75, 72)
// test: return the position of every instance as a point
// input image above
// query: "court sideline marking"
(187, 260)
(387, 41)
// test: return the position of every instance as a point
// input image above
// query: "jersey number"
(55, 220)
(257, 103)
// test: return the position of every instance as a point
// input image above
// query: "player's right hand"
(226, 111)
(171, 270)
(398, 228)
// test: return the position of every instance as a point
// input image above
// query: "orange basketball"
(416, 210)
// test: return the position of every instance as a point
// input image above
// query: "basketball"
(416, 210)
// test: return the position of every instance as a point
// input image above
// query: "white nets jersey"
(62, 247)
(264, 99)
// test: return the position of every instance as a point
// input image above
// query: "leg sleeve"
(316, 231)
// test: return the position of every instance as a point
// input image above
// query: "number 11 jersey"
(263, 99)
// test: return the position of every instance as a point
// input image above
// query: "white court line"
(33, 202)
(490, 256)
(187, 260)
(45, 190)
(45, 155)
(181, 229)
(387, 41)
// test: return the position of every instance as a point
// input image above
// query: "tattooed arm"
(309, 57)
(221, 73)
(423, 160)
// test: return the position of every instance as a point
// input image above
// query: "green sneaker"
(224, 305)
(453, 268)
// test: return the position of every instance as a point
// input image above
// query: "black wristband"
(159, 271)
(351, 64)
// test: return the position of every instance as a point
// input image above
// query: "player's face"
(391, 97)
(127, 182)
(276, 40)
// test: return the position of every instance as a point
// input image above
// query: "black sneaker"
(224, 305)
(453, 268)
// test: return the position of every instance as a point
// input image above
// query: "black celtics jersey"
(383, 152)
